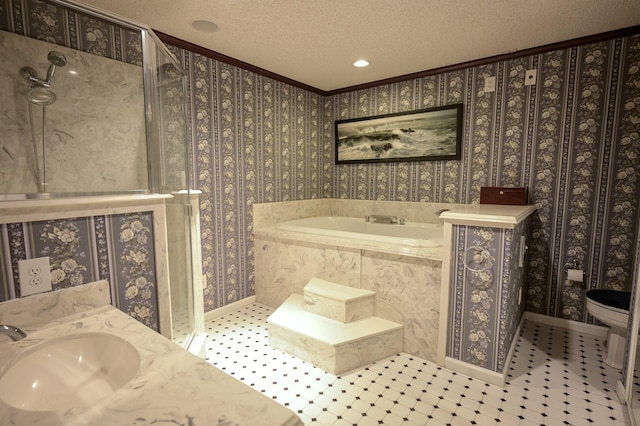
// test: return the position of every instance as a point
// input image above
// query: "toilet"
(611, 307)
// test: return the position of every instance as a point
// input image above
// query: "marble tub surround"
(46, 307)
(171, 386)
(406, 279)
(283, 267)
(266, 215)
(408, 291)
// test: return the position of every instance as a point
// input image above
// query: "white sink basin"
(68, 372)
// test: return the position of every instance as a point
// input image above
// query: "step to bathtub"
(336, 301)
(334, 346)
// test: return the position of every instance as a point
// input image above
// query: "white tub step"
(336, 301)
(334, 346)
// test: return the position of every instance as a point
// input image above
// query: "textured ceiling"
(316, 41)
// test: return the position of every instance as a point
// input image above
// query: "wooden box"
(503, 195)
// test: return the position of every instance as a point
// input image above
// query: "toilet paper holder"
(573, 271)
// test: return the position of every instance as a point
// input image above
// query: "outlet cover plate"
(34, 275)
(530, 77)
(490, 84)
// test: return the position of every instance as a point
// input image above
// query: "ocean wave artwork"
(425, 135)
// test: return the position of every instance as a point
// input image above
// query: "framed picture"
(425, 135)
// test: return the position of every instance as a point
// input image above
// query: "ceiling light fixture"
(204, 26)
(361, 63)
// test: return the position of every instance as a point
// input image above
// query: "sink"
(68, 372)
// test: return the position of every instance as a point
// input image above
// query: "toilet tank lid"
(612, 298)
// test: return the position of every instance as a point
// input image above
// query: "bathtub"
(409, 234)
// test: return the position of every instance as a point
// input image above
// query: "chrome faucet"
(13, 332)
(378, 218)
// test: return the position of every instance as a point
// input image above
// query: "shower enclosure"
(83, 117)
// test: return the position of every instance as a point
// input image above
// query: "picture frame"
(425, 135)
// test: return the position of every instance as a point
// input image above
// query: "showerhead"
(57, 59)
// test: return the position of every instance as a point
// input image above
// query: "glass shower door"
(169, 174)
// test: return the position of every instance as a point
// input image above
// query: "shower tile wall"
(572, 139)
(118, 248)
(85, 152)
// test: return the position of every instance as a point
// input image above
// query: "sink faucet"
(13, 332)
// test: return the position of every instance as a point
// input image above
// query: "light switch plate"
(490, 83)
(530, 77)
(34, 275)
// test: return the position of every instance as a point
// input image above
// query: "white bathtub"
(409, 234)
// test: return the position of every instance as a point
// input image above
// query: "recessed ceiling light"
(204, 26)
(361, 63)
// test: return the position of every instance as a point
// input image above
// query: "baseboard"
(512, 349)
(474, 371)
(570, 325)
(229, 308)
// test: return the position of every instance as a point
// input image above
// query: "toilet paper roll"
(575, 274)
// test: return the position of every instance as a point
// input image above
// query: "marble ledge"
(172, 386)
(97, 200)
(55, 208)
(288, 237)
(489, 215)
(46, 307)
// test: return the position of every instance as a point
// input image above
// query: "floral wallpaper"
(572, 139)
(48, 22)
(118, 248)
(253, 140)
(487, 281)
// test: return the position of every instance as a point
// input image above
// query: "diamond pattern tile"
(557, 377)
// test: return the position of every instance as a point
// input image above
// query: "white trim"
(445, 294)
(489, 376)
(621, 392)
(197, 345)
(474, 371)
(512, 349)
(570, 325)
(229, 308)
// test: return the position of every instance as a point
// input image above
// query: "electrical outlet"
(35, 276)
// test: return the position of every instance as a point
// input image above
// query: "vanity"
(135, 377)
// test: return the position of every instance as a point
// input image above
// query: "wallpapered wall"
(486, 282)
(117, 248)
(48, 22)
(572, 139)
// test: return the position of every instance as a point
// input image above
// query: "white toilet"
(611, 307)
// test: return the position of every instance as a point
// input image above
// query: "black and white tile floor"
(556, 377)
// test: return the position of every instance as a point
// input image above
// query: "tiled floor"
(556, 378)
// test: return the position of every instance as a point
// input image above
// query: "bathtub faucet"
(378, 218)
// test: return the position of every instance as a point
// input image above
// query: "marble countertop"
(432, 253)
(172, 386)
(491, 215)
